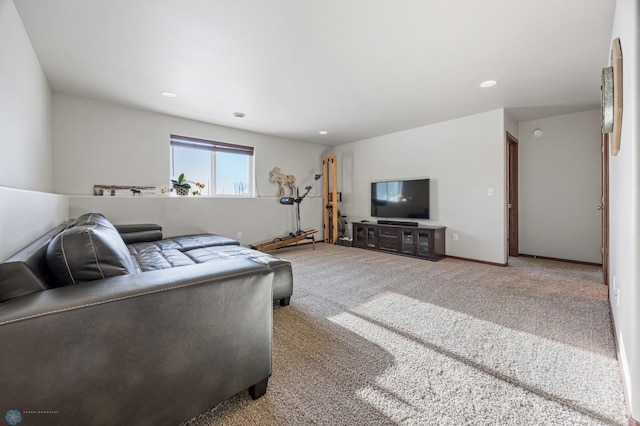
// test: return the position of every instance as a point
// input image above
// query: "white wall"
(26, 215)
(463, 158)
(510, 124)
(26, 160)
(101, 143)
(257, 219)
(25, 108)
(560, 187)
(624, 279)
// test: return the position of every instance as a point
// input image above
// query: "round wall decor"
(616, 64)
(612, 97)
(607, 100)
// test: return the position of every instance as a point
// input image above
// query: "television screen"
(406, 199)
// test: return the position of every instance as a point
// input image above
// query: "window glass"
(232, 173)
(195, 164)
(224, 169)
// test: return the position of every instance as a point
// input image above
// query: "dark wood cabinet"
(364, 236)
(388, 238)
(426, 242)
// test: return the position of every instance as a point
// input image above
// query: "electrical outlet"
(239, 235)
(455, 237)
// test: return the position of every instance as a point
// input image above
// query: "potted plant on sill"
(181, 185)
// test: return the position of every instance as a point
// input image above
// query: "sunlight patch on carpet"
(449, 363)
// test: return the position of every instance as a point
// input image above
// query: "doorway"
(512, 194)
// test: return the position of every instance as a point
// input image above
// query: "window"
(224, 168)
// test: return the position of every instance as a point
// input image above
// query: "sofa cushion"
(183, 243)
(87, 251)
(155, 260)
(283, 274)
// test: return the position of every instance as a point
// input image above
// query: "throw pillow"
(87, 252)
(92, 218)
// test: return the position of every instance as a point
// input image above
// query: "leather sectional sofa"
(104, 324)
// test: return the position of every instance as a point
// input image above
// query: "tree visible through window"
(225, 169)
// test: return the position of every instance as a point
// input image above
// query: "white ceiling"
(356, 68)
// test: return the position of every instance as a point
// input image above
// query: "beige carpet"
(372, 338)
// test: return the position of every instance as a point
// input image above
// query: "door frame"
(512, 195)
(604, 205)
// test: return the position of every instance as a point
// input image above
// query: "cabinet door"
(359, 235)
(408, 242)
(370, 232)
(423, 243)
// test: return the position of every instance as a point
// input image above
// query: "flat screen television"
(403, 199)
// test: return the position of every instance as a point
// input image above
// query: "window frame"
(214, 147)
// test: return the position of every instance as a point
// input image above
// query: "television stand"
(425, 242)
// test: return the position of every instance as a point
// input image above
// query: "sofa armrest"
(140, 233)
(95, 353)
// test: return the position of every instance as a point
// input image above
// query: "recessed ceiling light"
(238, 115)
(323, 132)
(488, 83)
(168, 94)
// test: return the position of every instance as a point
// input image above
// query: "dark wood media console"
(426, 242)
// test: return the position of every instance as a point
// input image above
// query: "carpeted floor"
(373, 338)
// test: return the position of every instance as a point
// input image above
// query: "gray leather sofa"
(97, 331)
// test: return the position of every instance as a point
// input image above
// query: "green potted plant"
(181, 185)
